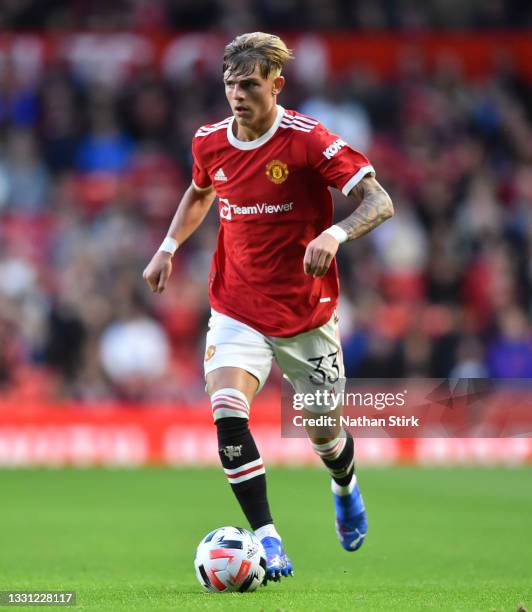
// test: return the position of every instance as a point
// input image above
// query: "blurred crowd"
(250, 15)
(90, 175)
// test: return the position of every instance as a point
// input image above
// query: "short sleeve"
(339, 164)
(200, 175)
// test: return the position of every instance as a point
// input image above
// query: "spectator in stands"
(86, 173)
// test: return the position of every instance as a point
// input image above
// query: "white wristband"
(337, 232)
(169, 245)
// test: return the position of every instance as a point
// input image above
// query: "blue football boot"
(351, 521)
(277, 563)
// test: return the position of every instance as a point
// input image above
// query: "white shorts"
(310, 361)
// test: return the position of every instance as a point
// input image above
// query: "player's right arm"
(192, 209)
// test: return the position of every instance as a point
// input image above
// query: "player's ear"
(278, 84)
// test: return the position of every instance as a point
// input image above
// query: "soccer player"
(273, 284)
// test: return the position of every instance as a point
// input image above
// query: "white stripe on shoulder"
(296, 123)
(306, 119)
(223, 121)
(292, 126)
(303, 119)
(204, 132)
(209, 129)
(210, 126)
(293, 120)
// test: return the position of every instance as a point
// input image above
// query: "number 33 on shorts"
(313, 359)
(320, 375)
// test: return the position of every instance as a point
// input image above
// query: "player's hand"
(158, 271)
(319, 254)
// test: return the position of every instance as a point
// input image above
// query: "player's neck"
(252, 132)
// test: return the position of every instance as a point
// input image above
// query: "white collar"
(246, 145)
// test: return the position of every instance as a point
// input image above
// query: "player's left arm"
(373, 206)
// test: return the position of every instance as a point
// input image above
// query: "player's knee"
(231, 378)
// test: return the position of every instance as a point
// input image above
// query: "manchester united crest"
(277, 171)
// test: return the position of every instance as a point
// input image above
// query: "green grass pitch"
(439, 539)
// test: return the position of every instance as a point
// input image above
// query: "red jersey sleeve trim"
(356, 178)
(198, 188)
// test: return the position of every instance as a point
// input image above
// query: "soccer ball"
(230, 559)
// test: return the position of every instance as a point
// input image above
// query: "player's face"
(252, 97)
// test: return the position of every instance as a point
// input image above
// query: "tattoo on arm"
(373, 207)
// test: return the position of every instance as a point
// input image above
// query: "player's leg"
(313, 361)
(231, 391)
(237, 363)
(338, 457)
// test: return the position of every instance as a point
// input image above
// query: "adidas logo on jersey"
(220, 175)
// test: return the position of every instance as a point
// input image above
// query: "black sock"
(244, 469)
(339, 458)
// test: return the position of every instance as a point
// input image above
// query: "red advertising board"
(118, 435)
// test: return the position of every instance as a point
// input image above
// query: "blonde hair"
(267, 51)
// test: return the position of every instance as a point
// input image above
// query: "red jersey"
(273, 199)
